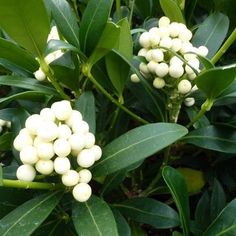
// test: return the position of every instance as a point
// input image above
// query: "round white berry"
(184, 86)
(86, 158)
(149, 55)
(82, 192)
(164, 32)
(194, 88)
(97, 151)
(157, 55)
(45, 151)
(144, 40)
(203, 51)
(47, 114)
(193, 63)
(61, 165)
(26, 173)
(192, 76)
(62, 110)
(176, 70)
(152, 66)
(77, 141)
(162, 69)
(28, 155)
(62, 147)
(175, 60)
(134, 78)
(32, 123)
(143, 68)
(74, 118)
(166, 42)
(48, 131)
(70, 178)
(154, 39)
(89, 140)
(64, 131)
(39, 75)
(189, 101)
(22, 140)
(80, 127)
(142, 52)
(158, 83)
(154, 30)
(185, 35)
(176, 44)
(50, 58)
(85, 176)
(44, 167)
(174, 29)
(2, 122)
(164, 21)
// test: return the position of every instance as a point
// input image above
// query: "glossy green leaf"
(212, 32)
(149, 211)
(144, 7)
(117, 69)
(136, 230)
(93, 23)
(6, 141)
(122, 225)
(94, 218)
(178, 189)
(1, 176)
(106, 42)
(26, 22)
(86, 105)
(221, 139)
(28, 216)
(136, 145)
(17, 55)
(65, 19)
(225, 223)
(214, 81)
(172, 10)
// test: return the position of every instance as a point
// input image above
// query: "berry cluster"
(39, 74)
(161, 65)
(48, 142)
(4, 123)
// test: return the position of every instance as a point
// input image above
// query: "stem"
(224, 47)
(131, 12)
(30, 185)
(118, 11)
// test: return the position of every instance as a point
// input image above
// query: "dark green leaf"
(136, 145)
(172, 10)
(6, 141)
(225, 223)
(136, 230)
(93, 23)
(176, 233)
(94, 218)
(221, 139)
(1, 176)
(145, 7)
(212, 32)
(214, 81)
(26, 22)
(65, 19)
(27, 217)
(86, 105)
(178, 189)
(149, 211)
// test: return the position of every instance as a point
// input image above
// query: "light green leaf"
(28, 217)
(94, 218)
(26, 22)
(136, 145)
(178, 189)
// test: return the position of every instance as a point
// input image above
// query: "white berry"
(47, 114)
(157, 55)
(32, 123)
(61, 165)
(28, 155)
(62, 147)
(189, 101)
(77, 141)
(144, 40)
(86, 158)
(48, 131)
(174, 29)
(176, 44)
(64, 131)
(22, 140)
(97, 151)
(158, 83)
(45, 151)
(142, 52)
(166, 42)
(134, 78)
(203, 51)
(152, 66)
(82, 192)
(89, 140)
(70, 178)
(143, 68)
(164, 21)
(62, 110)
(40, 75)
(184, 86)
(26, 173)
(44, 167)
(85, 176)
(162, 69)
(176, 70)
(74, 118)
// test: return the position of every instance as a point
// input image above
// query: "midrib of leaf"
(28, 212)
(226, 230)
(93, 219)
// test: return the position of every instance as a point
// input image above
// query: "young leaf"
(93, 218)
(86, 105)
(225, 223)
(172, 10)
(122, 225)
(26, 22)
(93, 23)
(214, 81)
(178, 189)
(136, 145)
(149, 211)
(212, 32)
(28, 217)
(65, 19)
(221, 139)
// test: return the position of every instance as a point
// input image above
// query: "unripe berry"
(47, 114)
(26, 173)
(70, 178)
(166, 42)
(176, 70)
(45, 151)
(134, 78)
(64, 131)
(157, 55)
(62, 147)
(85, 176)
(81, 127)
(22, 140)
(28, 155)
(61, 165)
(47, 131)
(89, 140)
(86, 158)
(44, 167)
(74, 118)
(97, 151)
(32, 123)
(162, 69)
(77, 141)
(62, 110)
(144, 40)
(82, 192)
(184, 86)
(39, 75)
(189, 101)
(158, 83)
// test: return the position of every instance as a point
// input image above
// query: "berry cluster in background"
(49, 142)
(164, 67)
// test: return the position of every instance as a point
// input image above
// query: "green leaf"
(106, 42)
(1, 176)
(122, 225)
(136, 145)
(221, 139)
(26, 22)
(214, 81)
(225, 223)
(172, 10)
(176, 233)
(17, 55)
(137, 230)
(149, 211)
(86, 105)
(94, 218)
(65, 19)
(117, 69)
(212, 32)
(6, 141)
(27, 217)
(93, 23)
(178, 189)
